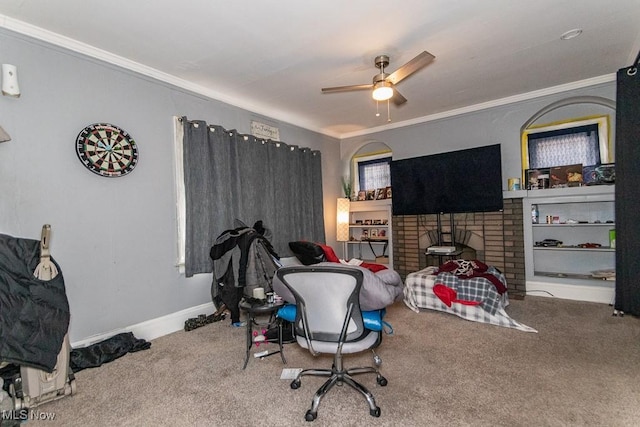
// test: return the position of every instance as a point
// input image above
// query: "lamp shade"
(342, 222)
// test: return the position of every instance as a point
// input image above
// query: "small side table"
(252, 311)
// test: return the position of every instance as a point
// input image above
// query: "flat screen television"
(458, 181)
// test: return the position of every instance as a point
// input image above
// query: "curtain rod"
(246, 137)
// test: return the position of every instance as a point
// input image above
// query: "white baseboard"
(153, 328)
(602, 294)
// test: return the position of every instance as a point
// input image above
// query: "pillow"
(329, 253)
(307, 252)
(373, 267)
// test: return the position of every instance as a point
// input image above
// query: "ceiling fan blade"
(346, 88)
(420, 61)
(397, 97)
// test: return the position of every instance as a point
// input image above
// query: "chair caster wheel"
(295, 384)
(310, 416)
(375, 412)
(381, 380)
(377, 360)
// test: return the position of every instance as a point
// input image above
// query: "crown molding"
(56, 39)
(608, 78)
(268, 111)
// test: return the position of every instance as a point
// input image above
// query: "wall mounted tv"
(458, 181)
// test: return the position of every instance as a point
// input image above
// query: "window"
(372, 171)
(583, 141)
(225, 177)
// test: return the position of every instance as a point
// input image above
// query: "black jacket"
(34, 314)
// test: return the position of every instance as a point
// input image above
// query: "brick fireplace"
(496, 238)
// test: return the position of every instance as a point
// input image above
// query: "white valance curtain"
(565, 149)
(231, 176)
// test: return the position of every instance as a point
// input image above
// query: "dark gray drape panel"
(230, 176)
(628, 190)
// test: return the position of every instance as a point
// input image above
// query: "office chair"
(328, 320)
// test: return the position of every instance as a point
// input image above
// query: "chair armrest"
(372, 319)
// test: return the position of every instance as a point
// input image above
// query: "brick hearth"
(497, 238)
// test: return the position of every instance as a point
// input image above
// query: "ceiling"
(273, 57)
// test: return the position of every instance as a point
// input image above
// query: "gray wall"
(498, 125)
(115, 239)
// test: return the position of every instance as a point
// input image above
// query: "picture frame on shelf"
(387, 192)
(537, 179)
(373, 233)
(604, 174)
(565, 176)
(381, 193)
(367, 222)
(362, 195)
(365, 234)
(371, 194)
(358, 222)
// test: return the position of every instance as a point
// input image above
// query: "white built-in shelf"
(581, 276)
(588, 224)
(559, 192)
(573, 248)
(366, 249)
(568, 270)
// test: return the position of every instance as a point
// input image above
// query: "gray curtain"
(627, 189)
(231, 176)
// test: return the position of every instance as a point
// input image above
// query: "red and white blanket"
(465, 290)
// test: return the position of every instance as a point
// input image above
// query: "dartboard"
(106, 150)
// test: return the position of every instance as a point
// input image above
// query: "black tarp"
(97, 354)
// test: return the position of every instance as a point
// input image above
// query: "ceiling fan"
(384, 84)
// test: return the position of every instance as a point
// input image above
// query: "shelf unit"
(569, 270)
(364, 218)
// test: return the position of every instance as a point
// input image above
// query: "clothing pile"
(243, 260)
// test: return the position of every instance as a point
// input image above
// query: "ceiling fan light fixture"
(382, 91)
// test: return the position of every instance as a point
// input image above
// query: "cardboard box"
(537, 179)
(599, 174)
(566, 176)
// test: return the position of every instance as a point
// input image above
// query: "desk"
(252, 311)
